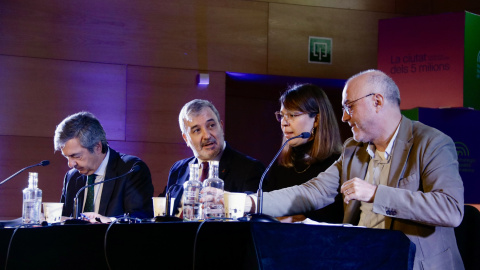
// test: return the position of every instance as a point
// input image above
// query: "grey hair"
(192, 108)
(382, 82)
(85, 127)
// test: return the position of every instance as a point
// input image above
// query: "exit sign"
(320, 50)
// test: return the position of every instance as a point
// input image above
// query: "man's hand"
(95, 218)
(358, 189)
(211, 194)
(291, 219)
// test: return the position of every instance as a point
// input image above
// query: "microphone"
(135, 168)
(259, 216)
(43, 163)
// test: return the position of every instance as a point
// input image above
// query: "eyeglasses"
(287, 116)
(348, 106)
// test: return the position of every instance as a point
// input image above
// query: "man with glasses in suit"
(394, 173)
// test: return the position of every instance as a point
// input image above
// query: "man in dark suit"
(202, 130)
(82, 140)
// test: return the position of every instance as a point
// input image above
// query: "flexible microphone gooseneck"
(135, 168)
(259, 216)
(43, 163)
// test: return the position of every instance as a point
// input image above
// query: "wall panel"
(158, 156)
(425, 7)
(370, 5)
(191, 34)
(444, 6)
(155, 97)
(38, 93)
(354, 35)
(17, 152)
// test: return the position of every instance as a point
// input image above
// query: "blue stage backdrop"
(461, 124)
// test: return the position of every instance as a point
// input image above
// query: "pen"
(84, 216)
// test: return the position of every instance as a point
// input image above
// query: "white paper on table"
(313, 222)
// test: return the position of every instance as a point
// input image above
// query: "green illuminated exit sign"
(320, 50)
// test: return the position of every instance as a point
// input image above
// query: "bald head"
(371, 102)
(378, 82)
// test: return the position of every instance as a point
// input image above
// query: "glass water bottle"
(214, 187)
(192, 209)
(32, 201)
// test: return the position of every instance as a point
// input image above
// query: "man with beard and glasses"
(202, 130)
(394, 174)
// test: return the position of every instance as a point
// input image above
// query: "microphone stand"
(259, 216)
(168, 217)
(75, 219)
(43, 163)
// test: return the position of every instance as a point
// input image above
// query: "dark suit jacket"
(239, 172)
(130, 194)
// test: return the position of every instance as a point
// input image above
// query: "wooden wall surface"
(135, 63)
(354, 44)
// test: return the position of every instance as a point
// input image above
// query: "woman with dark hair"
(306, 108)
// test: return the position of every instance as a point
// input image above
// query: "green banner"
(471, 74)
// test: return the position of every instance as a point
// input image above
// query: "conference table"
(204, 245)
